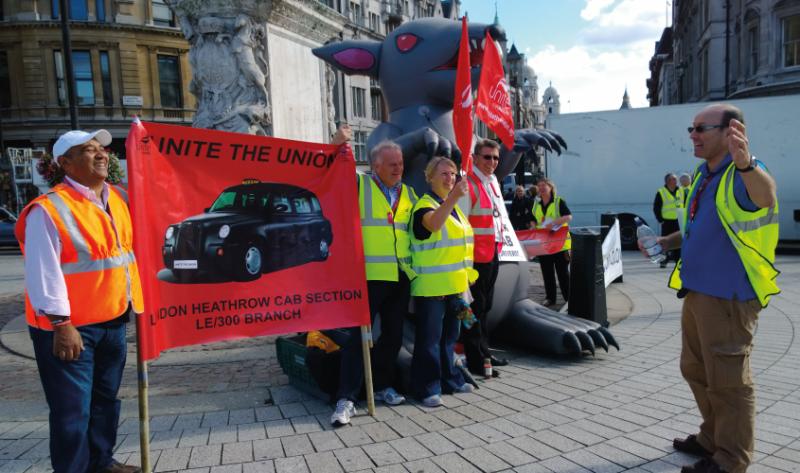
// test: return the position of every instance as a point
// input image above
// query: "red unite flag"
(494, 102)
(462, 101)
(241, 235)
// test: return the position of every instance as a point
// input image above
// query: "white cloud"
(610, 53)
(593, 8)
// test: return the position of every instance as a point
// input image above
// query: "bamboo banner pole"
(366, 344)
(144, 408)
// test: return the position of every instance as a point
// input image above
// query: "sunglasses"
(704, 128)
(490, 157)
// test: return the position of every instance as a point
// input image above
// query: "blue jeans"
(82, 396)
(432, 368)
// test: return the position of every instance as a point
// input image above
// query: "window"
(78, 10)
(359, 99)
(376, 107)
(5, 81)
(84, 85)
(752, 43)
(791, 41)
(360, 146)
(100, 10)
(169, 82)
(356, 14)
(280, 205)
(375, 22)
(105, 75)
(704, 72)
(162, 15)
(301, 205)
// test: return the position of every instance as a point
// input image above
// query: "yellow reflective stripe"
(112, 262)
(75, 235)
(443, 268)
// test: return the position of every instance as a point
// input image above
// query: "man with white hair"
(81, 285)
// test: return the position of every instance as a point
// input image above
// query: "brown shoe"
(706, 465)
(117, 467)
(691, 446)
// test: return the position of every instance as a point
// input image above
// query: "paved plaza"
(227, 408)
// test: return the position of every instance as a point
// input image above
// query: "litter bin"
(587, 289)
(606, 222)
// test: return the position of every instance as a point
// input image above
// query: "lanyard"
(696, 201)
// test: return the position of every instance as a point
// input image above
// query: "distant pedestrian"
(81, 285)
(726, 276)
(521, 205)
(550, 211)
(666, 203)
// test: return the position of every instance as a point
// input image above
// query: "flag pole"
(144, 408)
(366, 344)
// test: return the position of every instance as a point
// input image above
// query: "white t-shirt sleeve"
(44, 281)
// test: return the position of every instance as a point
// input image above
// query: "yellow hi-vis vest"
(385, 232)
(670, 203)
(443, 262)
(553, 212)
(753, 234)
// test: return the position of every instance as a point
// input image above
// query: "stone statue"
(230, 71)
(330, 82)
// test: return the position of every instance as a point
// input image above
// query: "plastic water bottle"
(487, 368)
(649, 242)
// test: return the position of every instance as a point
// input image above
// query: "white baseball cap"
(78, 137)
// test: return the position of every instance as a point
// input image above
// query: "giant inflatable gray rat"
(415, 66)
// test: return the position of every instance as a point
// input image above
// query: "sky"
(590, 49)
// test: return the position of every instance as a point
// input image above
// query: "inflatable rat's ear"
(353, 57)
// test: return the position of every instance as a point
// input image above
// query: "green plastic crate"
(292, 358)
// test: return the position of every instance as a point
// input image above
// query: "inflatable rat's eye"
(406, 42)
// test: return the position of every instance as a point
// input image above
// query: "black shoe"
(498, 361)
(706, 465)
(691, 446)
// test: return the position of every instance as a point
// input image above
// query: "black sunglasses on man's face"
(490, 156)
(704, 128)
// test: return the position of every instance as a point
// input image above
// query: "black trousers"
(551, 265)
(476, 339)
(668, 227)
(390, 300)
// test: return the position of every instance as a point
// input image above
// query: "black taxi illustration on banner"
(250, 229)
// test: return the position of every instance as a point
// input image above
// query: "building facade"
(728, 49)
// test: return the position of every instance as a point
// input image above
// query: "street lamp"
(514, 60)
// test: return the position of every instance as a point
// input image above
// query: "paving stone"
(279, 428)
(173, 459)
(241, 416)
(239, 452)
(161, 423)
(222, 434)
(620, 457)
(353, 459)
(390, 469)
(557, 441)
(452, 463)
(305, 424)
(353, 436)
(188, 421)
(165, 439)
(205, 456)
(380, 432)
(215, 419)
(322, 462)
(424, 465)
(324, 441)
(291, 465)
(453, 418)
(462, 438)
(560, 464)
(510, 454)
(236, 468)
(436, 443)
(194, 437)
(485, 433)
(383, 454)
(296, 445)
(38, 451)
(592, 462)
(267, 449)
(410, 449)
(483, 459)
(404, 427)
(264, 414)
(15, 449)
(429, 422)
(530, 445)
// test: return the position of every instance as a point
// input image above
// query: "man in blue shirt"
(722, 299)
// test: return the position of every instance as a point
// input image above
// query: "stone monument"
(229, 59)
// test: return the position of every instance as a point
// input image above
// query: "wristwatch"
(748, 168)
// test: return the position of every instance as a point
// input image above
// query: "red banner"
(542, 241)
(241, 235)
(462, 101)
(494, 102)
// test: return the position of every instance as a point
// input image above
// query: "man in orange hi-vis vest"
(81, 285)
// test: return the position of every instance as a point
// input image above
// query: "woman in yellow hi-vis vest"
(551, 211)
(441, 257)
